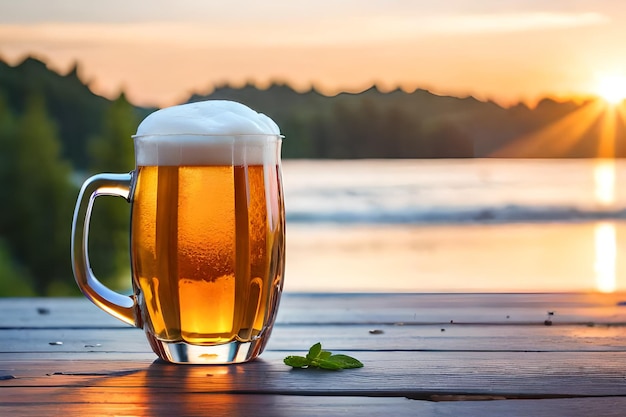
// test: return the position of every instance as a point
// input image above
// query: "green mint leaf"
(296, 361)
(319, 358)
(314, 351)
(345, 361)
(324, 355)
(328, 364)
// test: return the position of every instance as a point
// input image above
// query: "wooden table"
(424, 355)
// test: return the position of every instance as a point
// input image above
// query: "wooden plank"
(72, 341)
(405, 309)
(460, 308)
(416, 375)
(52, 402)
(19, 313)
(449, 337)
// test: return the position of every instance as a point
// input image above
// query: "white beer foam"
(208, 132)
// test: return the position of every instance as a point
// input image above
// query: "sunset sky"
(160, 51)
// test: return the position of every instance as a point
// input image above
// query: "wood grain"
(408, 374)
(52, 402)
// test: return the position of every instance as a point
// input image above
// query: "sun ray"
(555, 139)
(621, 111)
(620, 133)
(607, 133)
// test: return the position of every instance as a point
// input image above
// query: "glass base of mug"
(228, 353)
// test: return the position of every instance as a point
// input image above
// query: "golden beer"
(207, 248)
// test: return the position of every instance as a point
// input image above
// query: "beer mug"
(207, 233)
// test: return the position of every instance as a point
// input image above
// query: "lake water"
(455, 225)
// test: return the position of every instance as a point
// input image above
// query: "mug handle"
(120, 306)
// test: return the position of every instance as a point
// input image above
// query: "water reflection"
(605, 236)
(604, 181)
(605, 256)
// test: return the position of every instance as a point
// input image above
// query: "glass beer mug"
(207, 233)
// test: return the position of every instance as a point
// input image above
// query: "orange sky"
(160, 51)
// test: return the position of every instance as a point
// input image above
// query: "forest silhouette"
(54, 131)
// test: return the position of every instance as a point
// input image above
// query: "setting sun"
(612, 88)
